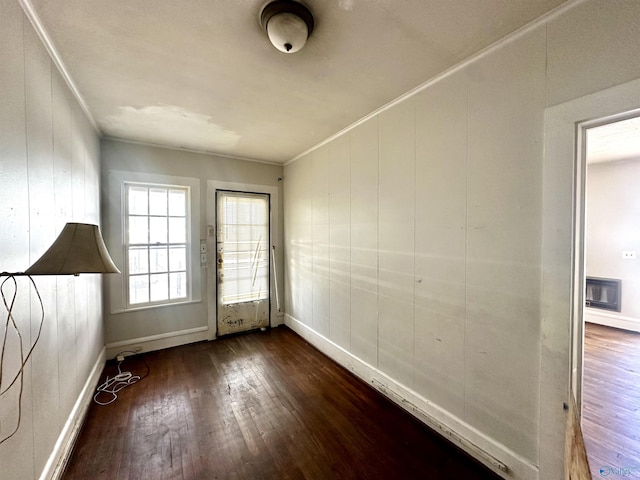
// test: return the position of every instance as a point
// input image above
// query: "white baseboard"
(612, 320)
(59, 457)
(158, 342)
(488, 451)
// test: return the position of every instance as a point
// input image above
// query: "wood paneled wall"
(49, 175)
(412, 242)
(438, 278)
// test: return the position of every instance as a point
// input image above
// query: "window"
(156, 234)
(152, 231)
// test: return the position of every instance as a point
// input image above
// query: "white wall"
(136, 327)
(49, 174)
(443, 252)
(613, 209)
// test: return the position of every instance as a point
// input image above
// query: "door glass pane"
(244, 244)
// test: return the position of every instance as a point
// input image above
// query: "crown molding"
(516, 34)
(33, 17)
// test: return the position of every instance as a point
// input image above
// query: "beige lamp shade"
(78, 249)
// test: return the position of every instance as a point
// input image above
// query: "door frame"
(212, 293)
(563, 256)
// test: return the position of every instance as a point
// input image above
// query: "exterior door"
(242, 261)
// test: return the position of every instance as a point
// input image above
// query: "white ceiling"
(614, 141)
(201, 74)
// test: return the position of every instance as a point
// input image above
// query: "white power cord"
(10, 325)
(113, 385)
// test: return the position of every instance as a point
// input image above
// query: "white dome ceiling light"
(288, 24)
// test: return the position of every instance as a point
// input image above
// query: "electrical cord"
(10, 325)
(112, 385)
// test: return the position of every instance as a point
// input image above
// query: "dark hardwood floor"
(611, 401)
(264, 405)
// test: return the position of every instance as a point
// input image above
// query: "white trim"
(612, 320)
(33, 17)
(485, 449)
(155, 307)
(57, 462)
(513, 36)
(148, 245)
(158, 342)
(211, 153)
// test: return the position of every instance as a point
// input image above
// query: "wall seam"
(415, 221)
(350, 256)
(29, 233)
(466, 251)
(378, 251)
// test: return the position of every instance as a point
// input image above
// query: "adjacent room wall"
(613, 210)
(141, 326)
(49, 175)
(413, 240)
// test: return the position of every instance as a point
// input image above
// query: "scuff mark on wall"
(169, 125)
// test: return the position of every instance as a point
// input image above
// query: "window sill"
(154, 307)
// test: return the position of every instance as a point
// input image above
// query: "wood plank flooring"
(264, 405)
(611, 401)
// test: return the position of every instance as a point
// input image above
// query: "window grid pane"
(157, 233)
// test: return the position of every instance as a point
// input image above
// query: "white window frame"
(148, 245)
(118, 285)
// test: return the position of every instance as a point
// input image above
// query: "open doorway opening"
(611, 362)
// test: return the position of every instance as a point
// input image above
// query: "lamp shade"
(288, 24)
(78, 249)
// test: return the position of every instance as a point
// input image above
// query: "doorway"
(611, 364)
(563, 276)
(242, 259)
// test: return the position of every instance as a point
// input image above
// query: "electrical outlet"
(629, 254)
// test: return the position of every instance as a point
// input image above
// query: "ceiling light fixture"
(288, 24)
